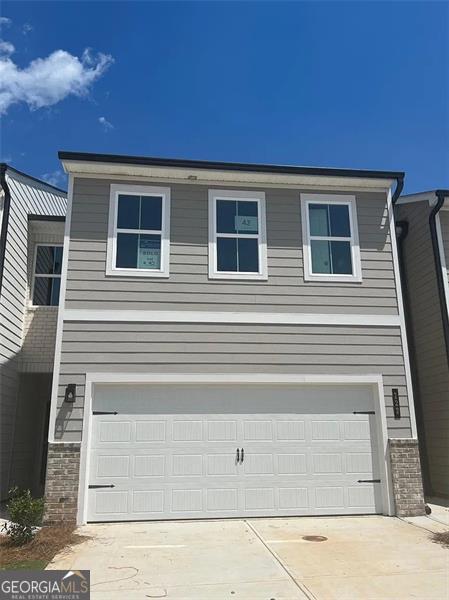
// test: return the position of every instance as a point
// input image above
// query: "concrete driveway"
(362, 558)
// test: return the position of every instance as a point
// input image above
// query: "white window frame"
(138, 190)
(342, 199)
(45, 275)
(261, 236)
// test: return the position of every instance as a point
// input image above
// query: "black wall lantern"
(70, 393)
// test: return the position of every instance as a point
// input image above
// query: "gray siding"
(428, 339)
(224, 348)
(189, 287)
(27, 197)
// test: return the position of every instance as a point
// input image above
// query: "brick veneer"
(61, 488)
(406, 474)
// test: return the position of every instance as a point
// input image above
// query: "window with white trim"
(139, 225)
(237, 235)
(330, 238)
(46, 275)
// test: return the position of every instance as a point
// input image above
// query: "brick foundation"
(61, 487)
(407, 480)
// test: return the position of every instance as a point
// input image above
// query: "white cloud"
(6, 49)
(107, 126)
(47, 81)
(26, 28)
(5, 21)
(56, 178)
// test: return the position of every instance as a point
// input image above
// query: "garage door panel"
(174, 464)
(295, 499)
(329, 497)
(222, 499)
(151, 431)
(187, 501)
(148, 502)
(290, 431)
(325, 430)
(114, 431)
(292, 464)
(222, 464)
(222, 431)
(186, 430)
(152, 465)
(109, 466)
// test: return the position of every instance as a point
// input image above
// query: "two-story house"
(231, 342)
(424, 247)
(32, 232)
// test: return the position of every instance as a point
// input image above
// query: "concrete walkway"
(363, 558)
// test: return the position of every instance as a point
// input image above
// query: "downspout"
(403, 227)
(441, 196)
(398, 190)
(5, 218)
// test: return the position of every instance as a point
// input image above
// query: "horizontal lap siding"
(26, 198)
(222, 348)
(188, 286)
(428, 339)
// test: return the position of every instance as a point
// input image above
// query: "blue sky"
(358, 85)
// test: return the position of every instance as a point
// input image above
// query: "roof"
(30, 177)
(227, 166)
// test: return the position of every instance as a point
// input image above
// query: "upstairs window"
(237, 238)
(139, 224)
(330, 238)
(47, 275)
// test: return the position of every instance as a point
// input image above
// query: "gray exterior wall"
(226, 348)
(432, 374)
(27, 197)
(189, 287)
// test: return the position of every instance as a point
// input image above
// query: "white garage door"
(175, 452)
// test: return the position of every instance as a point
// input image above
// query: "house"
(424, 220)
(231, 342)
(32, 231)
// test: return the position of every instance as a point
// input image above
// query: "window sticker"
(246, 223)
(149, 253)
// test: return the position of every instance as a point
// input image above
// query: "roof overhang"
(430, 196)
(212, 173)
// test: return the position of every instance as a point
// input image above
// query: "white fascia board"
(186, 316)
(217, 177)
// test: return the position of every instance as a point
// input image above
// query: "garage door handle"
(238, 456)
(368, 481)
(95, 487)
(243, 455)
(363, 412)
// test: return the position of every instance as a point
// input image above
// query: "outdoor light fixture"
(70, 393)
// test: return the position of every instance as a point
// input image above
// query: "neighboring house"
(32, 231)
(231, 342)
(424, 219)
